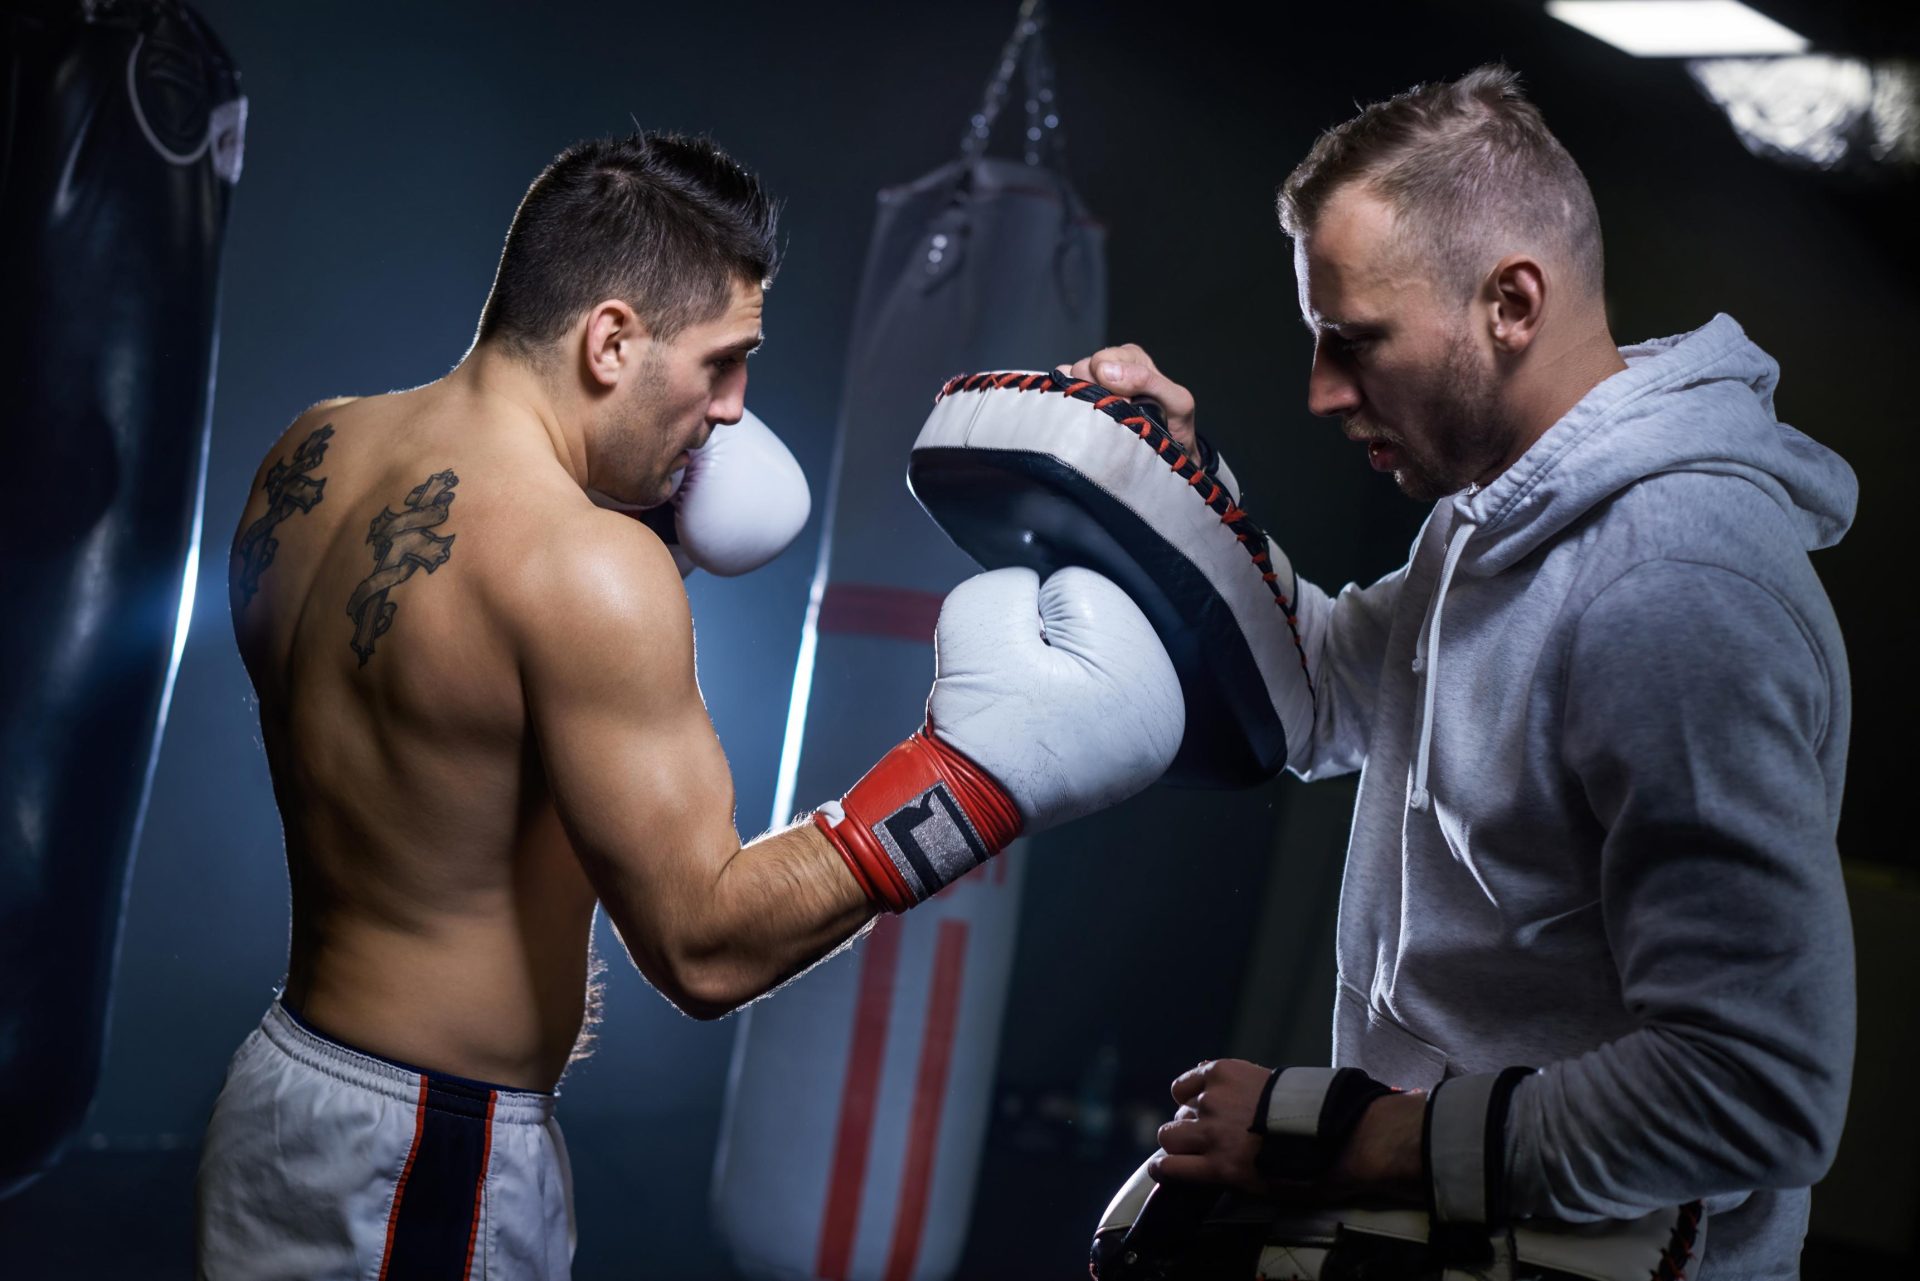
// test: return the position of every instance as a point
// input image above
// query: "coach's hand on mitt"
(1297, 1133)
(1127, 370)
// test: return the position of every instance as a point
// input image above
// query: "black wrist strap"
(1307, 1114)
(1463, 1161)
(1261, 1104)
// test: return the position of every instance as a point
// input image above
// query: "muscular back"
(440, 915)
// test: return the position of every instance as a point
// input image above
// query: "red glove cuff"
(920, 819)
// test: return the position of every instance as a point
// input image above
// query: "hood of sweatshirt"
(1699, 402)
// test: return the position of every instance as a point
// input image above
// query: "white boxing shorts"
(324, 1163)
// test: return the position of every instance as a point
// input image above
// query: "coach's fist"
(1212, 1139)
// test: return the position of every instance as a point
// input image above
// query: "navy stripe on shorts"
(435, 1218)
(436, 1206)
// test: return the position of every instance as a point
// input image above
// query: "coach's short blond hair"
(1471, 172)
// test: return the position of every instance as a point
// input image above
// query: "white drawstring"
(1428, 663)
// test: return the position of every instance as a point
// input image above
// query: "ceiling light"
(1679, 28)
(1819, 112)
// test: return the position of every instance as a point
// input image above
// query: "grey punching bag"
(858, 1097)
(123, 125)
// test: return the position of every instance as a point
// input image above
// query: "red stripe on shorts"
(400, 1188)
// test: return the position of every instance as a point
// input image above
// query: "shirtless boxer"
(478, 701)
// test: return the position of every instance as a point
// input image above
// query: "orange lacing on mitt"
(1135, 417)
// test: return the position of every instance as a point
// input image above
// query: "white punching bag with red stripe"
(859, 1094)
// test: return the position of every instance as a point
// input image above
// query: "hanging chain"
(1026, 53)
(1043, 115)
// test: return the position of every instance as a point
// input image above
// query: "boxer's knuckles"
(1026, 668)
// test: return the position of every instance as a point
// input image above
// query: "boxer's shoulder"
(311, 429)
(581, 578)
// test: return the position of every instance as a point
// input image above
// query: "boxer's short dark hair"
(664, 222)
(1471, 171)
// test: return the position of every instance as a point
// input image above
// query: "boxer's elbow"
(707, 970)
(701, 980)
(708, 988)
(697, 990)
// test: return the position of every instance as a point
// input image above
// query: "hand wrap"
(919, 819)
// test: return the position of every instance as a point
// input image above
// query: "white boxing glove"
(742, 500)
(739, 501)
(1050, 700)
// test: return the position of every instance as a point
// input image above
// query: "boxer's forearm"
(778, 905)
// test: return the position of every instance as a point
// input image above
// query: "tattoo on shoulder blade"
(402, 543)
(289, 489)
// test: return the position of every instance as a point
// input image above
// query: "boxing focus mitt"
(1045, 470)
(1050, 700)
(1196, 1232)
(739, 501)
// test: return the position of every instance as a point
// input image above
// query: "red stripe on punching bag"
(859, 1097)
(864, 609)
(929, 1098)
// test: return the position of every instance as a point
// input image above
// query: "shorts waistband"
(401, 1082)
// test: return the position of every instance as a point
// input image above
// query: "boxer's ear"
(612, 340)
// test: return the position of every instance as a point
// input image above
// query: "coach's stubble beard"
(1464, 428)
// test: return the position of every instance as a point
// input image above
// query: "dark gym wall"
(386, 149)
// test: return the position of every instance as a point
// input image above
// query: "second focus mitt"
(1198, 1232)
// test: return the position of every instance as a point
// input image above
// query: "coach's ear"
(1514, 297)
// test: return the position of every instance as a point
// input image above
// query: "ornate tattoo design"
(402, 544)
(289, 489)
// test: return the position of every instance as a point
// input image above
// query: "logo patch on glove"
(930, 841)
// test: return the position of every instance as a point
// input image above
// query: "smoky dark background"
(386, 148)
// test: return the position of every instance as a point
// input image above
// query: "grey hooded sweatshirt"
(1601, 721)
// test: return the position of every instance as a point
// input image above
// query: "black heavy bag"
(122, 143)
